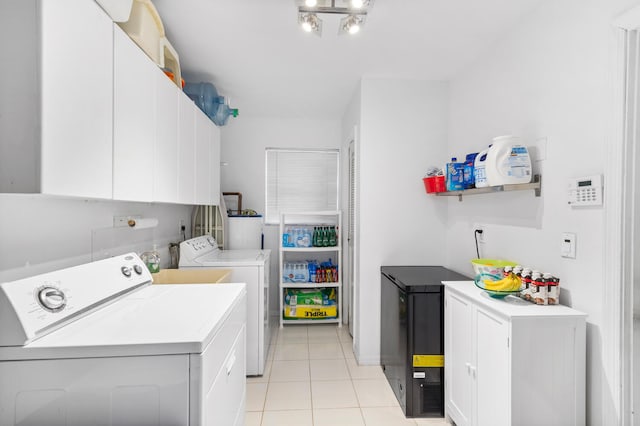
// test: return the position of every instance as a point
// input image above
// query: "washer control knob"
(138, 269)
(52, 299)
(126, 271)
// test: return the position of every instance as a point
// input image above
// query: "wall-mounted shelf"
(536, 185)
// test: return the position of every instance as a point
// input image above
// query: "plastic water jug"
(210, 102)
(479, 169)
(508, 162)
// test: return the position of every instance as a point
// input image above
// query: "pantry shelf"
(302, 299)
(309, 249)
(536, 186)
(309, 285)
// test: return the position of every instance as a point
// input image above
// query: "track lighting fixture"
(355, 10)
(310, 23)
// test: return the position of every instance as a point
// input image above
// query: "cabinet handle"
(473, 372)
(468, 367)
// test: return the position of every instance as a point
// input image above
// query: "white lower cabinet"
(509, 362)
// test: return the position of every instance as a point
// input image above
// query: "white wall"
(549, 78)
(39, 234)
(403, 131)
(243, 149)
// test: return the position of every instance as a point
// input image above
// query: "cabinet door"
(133, 121)
(459, 359)
(77, 99)
(186, 150)
(203, 158)
(165, 182)
(214, 165)
(493, 390)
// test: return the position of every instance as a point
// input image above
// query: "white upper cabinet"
(77, 85)
(186, 150)
(165, 182)
(215, 166)
(204, 135)
(56, 109)
(134, 121)
(87, 114)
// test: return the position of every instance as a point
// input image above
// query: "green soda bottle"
(332, 236)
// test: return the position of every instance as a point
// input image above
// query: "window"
(300, 181)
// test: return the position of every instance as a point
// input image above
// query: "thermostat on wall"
(586, 191)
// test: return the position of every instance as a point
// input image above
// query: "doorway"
(621, 348)
(351, 236)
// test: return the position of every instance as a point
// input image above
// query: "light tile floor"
(312, 379)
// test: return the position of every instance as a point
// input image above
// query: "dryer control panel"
(34, 307)
(195, 248)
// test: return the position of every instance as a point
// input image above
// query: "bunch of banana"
(509, 283)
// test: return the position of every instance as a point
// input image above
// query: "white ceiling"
(256, 54)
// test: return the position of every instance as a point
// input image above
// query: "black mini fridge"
(412, 335)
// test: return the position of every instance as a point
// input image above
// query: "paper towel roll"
(148, 222)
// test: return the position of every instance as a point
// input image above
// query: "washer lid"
(157, 320)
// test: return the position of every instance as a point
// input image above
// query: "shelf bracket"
(538, 189)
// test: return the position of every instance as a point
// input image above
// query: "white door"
(492, 405)
(459, 359)
(351, 228)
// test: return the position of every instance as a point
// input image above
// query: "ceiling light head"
(311, 3)
(310, 23)
(358, 4)
(351, 24)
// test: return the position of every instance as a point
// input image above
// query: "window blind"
(300, 181)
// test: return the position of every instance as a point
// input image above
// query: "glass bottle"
(332, 236)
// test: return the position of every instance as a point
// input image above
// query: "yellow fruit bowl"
(490, 266)
(498, 294)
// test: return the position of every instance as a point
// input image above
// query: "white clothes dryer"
(247, 266)
(96, 344)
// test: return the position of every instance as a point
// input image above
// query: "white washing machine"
(97, 345)
(247, 266)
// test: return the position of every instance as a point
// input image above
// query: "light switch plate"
(568, 245)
